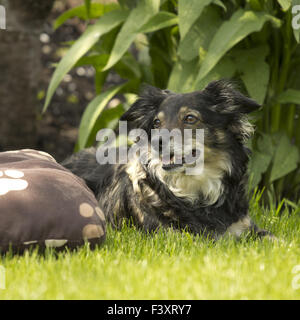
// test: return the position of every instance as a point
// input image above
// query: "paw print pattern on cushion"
(10, 181)
(86, 210)
(45, 205)
(91, 231)
(55, 243)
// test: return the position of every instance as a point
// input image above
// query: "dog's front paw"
(245, 226)
(264, 234)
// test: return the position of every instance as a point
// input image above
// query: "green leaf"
(144, 60)
(136, 19)
(160, 51)
(91, 114)
(285, 4)
(100, 78)
(96, 60)
(128, 67)
(285, 159)
(200, 34)
(225, 69)
(290, 96)
(188, 12)
(265, 144)
(162, 19)
(128, 3)
(255, 72)
(96, 11)
(256, 5)
(108, 120)
(241, 24)
(81, 46)
(258, 164)
(183, 76)
(220, 4)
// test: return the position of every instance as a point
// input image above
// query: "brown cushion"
(42, 203)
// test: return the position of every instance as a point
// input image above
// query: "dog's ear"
(228, 100)
(141, 113)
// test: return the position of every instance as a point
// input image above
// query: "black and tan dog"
(157, 194)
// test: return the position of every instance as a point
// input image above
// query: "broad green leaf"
(162, 19)
(220, 4)
(108, 120)
(285, 4)
(265, 144)
(254, 71)
(225, 69)
(183, 76)
(100, 78)
(128, 3)
(81, 46)
(290, 96)
(96, 60)
(144, 60)
(92, 113)
(106, 43)
(136, 19)
(200, 34)
(258, 164)
(96, 11)
(188, 13)
(160, 51)
(128, 67)
(285, 159)
(240, 25)
(255, 5)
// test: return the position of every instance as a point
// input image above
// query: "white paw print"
(13, 182)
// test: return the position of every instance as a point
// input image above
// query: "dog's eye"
(156, 123)
(190, 119)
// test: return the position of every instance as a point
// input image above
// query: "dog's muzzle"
(171, 155)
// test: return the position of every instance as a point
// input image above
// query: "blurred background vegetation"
(181, 45)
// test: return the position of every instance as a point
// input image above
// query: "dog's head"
(219, 110)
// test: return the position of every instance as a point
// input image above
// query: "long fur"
(214, 202)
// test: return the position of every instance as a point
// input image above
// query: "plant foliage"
(182, 45)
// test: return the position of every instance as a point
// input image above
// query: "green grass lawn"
(167, 265)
